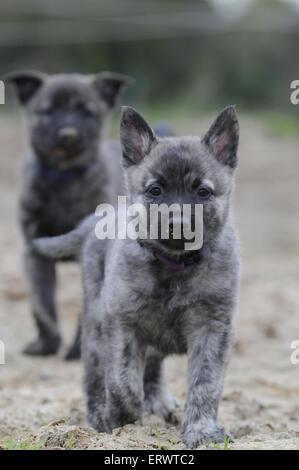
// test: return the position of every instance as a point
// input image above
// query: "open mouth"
(178, 260)
(67, 152)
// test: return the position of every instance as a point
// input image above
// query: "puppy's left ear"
(223, 137)
(110, 86)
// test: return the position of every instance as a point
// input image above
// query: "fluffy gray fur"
(137, 310)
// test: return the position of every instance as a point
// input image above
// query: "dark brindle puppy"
(66, 174)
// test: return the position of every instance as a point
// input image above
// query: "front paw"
(43, 347)
(163, 405)
(197, 434)
(96, 420)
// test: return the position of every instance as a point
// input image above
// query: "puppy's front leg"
(208, 352)
(94, 368)
(41, 279)
(125, 358)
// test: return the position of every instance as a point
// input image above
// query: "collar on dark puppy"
(54, 174)
(175, 264)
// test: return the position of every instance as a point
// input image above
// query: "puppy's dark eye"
(155, 191)
(86, 111)
(204, 193)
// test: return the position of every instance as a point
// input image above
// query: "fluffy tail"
(64, 246)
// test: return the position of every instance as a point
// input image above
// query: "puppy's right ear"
(110, 86)
(137, 138)
(223, 137)
(27, 83)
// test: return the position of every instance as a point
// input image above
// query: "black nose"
(68, 136)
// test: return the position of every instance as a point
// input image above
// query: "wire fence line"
(74, 9)
(63, 32)
(90, 9)
(102, 22)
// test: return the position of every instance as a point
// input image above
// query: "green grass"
(280, 124)
(224, 446)
(70, 442)
(11, 444)
(157, 434)
(155, 431)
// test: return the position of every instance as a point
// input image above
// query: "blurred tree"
(179, 52)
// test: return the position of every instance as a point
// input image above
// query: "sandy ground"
(41, 403)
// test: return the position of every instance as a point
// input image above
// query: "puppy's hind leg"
(157, 399)
(41, 278)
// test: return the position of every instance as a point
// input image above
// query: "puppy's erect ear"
(27, 83)
(110, 86)
(223, 137)
(137, 138)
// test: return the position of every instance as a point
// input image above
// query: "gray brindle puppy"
(146, 300)
(66, 174)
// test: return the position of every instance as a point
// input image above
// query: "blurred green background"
(187, 57)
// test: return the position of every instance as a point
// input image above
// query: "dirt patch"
(41, 401)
